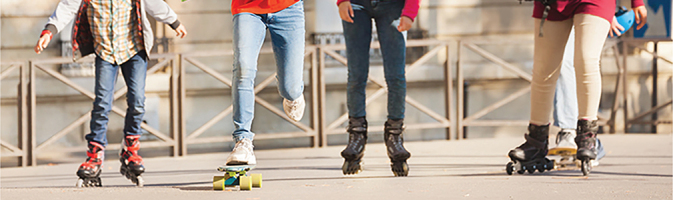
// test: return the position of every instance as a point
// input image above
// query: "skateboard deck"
(237, 175)
(568, 159)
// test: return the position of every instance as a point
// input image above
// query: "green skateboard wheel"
(256, 180)
(218, 182)
(245, 182)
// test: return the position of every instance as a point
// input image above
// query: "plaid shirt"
(115, 30)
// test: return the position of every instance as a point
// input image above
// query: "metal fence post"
(30, 134)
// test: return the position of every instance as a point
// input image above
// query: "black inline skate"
(131, 163)
(531, 155)
(586, 143)
(395, 146)
(89, 171)
(355, 150)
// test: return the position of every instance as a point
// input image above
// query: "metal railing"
(318, 127)
(621, 88)
(187, 138)
(27, 101)
(637, 44)
(328, 128)
(24, 154)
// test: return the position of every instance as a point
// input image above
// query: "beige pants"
(590, 34)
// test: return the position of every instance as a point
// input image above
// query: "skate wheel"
(256, 180)
(541, 167)
(586, 167)
(218, 182)
(245, 182)
(531, 169)
(140, 182)
(509, 168)
(79, 183)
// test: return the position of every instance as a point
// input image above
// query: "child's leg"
(590, 34)
(106, 76)
(135, 72)
(546, 66)
(287, 34)
(393, 48)
(249, 32)
(358, 37)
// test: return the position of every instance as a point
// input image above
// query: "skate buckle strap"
(395, 131)
(536, 143)
(358, 129)
(136, 159)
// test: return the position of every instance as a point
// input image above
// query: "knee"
(292, 92)
(244, 71)
(356, 79)
(136, 109)
(396, 80)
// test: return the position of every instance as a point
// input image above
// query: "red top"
(260, 6)
(565, 9)
(410, 8)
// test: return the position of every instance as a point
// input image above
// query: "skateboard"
(568, 159)
(237, 175)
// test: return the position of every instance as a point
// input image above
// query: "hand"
(641, 16)
(181, 31)
(42, 43)
(615, 28)
(405, 24)
(346, 11)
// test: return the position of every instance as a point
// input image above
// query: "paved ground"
(636, 167)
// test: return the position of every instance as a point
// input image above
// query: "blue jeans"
(134, 72)
(287, 36)
(358, 37)
(565, 97)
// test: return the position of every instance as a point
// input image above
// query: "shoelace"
(293, 104)
(563, 135)
(245, 145)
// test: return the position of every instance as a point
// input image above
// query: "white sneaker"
(242, 154)
(566, 139)
(294, 109)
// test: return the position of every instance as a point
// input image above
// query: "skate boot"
(586, 143)
(131, 163)
(394, 144)
(355, 150)
(89, 171)
(242, 154)
(531, 155)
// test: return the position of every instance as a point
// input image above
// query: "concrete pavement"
(636, 167)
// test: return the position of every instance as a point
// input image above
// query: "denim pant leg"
(135, 72)
(358, 36)
(565, 97)
(287, 35)
(106, 76)
(393, 49)
(249, 32)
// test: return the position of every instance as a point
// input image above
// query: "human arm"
(65, 12)
(409, 13)
(163, 13)
(345, 10)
